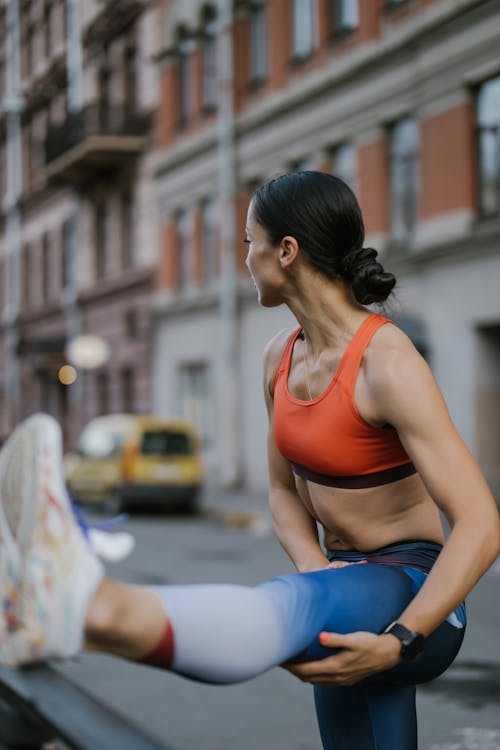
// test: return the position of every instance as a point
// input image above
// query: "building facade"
(401, 98)
(78, 241)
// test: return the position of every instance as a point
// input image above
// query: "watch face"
(412, 646)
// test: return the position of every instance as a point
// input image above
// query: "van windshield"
(165, 443)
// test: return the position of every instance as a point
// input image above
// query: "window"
(344, 15)
(45, 266)
(209, 54)
(195, 400)
(132, 324)
(104, 97)
(166, 443)
(127, 229)
(303, 165)
(127, 387)
(209, 249)
(26, 276)
(258, 42)
(185, 90)
(100, 239)
(344, 164)
(183, 248)
(404, 177)
(67, 253)
(130, 75)
(303, 27)
(488, 122)
(48, 17)
(102, 383)
(28, 49)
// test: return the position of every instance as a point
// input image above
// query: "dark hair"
(323, 215)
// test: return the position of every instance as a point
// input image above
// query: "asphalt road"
(460, 711)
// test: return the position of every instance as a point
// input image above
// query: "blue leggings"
(226, 633)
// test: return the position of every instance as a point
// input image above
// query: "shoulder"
(395, 371)
(272, 356)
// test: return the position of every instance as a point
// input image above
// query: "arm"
(404, 393)
(294, 526)
(410, 399)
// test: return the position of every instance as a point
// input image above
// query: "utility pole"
(227, 365)
(74, 62)
(12, 107)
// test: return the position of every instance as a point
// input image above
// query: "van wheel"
(114, 505)
(191, 506)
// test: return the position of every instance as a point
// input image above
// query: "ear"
(288, 251)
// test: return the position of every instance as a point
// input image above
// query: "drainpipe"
(227, 367)
(12, 107)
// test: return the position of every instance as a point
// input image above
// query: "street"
(460, 711)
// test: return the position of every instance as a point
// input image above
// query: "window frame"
(209, 61)
(349, 176)
(482, 130)
(304, 19)
(401, 230)
(339, 25)
(257, 70)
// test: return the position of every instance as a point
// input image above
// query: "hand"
(361, 655)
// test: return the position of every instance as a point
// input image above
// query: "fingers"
(334, 640)
(329, 672)
(343, 563)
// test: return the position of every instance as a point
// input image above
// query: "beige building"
(402, 99)
(78, 92)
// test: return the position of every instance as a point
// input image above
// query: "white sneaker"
(48, 573)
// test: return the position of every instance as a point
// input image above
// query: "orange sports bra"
(326, 440)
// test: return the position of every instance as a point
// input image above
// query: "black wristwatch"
(412, 644)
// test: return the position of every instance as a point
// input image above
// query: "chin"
(269, 301)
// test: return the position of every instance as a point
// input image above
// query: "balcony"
(97, 139)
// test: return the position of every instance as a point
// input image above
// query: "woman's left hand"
(361, 655)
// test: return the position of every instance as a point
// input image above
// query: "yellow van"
(126, 459)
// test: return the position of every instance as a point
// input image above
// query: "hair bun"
(370, 283)
(356, 259)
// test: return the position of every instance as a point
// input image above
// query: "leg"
(370, 717)
(53, 585)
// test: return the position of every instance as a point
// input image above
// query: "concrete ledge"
(37, 705)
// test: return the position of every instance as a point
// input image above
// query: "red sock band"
(163, 653)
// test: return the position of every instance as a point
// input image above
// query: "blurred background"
(132, 134)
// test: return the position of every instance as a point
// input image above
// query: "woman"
(359, 441)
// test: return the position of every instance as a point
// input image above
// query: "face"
(262, 262)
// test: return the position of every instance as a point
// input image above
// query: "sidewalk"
(243, 509)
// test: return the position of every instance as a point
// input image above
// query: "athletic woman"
(360, 442)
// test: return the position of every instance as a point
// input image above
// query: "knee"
(104, 612)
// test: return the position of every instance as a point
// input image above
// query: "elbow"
(491, 543)
(497, 547)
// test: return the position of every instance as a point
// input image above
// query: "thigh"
(368, 597)
(365, 597)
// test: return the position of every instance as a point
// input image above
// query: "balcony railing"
(96, 137)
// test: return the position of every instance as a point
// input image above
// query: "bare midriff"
(367, 519)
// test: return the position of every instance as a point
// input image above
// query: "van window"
(165, 443)
(98, 443)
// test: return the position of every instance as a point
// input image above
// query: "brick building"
(399, 97)
(77, 238)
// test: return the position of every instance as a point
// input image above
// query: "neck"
(327, 312)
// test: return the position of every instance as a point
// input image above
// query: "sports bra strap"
(351, 361)
(284, 363)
